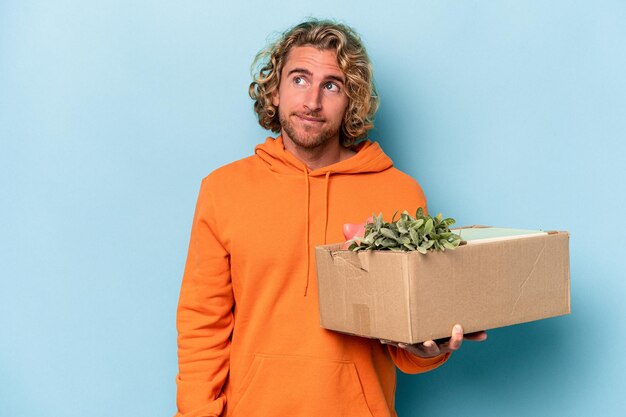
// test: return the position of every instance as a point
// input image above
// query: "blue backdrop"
(508, 113)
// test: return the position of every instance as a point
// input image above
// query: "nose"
(313, 99)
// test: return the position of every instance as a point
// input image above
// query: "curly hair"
(352, 59)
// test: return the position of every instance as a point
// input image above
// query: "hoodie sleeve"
(411, 364)
(204, 317)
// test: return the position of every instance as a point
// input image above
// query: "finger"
(476, 336)
(418, 349)
(427, 349)
(431, 348)
(457, 338)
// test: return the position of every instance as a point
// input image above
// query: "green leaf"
(417, 224)
(449, 222)
(428, 227)
(448, 245)
(389, 242)
(402, 226)
(379, 221)
(388, 233)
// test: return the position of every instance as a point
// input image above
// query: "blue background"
(508, 113)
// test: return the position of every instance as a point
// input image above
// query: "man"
(249, 340)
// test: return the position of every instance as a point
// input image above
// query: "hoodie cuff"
(412, 364)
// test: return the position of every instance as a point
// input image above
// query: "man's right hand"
(432, 348)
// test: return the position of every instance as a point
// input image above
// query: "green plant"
(420, 233)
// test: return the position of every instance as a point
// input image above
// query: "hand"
(432, 348)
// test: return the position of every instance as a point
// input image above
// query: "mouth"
(309, 119)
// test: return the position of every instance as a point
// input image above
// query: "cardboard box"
(409, 297)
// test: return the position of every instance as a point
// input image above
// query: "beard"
(307, 137)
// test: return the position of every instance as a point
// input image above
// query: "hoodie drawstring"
(307, 202)
(326, 206)
(306, 232)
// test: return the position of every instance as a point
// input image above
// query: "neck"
(324, 155)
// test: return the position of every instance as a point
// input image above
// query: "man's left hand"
(432, 348)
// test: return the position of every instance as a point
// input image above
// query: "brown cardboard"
(409, 297)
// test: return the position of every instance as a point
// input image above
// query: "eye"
(297, 80)
(330, 86)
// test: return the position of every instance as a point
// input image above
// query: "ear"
(276, 98)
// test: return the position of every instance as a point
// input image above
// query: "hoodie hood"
(369, 158)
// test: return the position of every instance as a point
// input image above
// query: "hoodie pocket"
(296, 386)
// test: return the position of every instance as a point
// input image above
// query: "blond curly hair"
(352, 59)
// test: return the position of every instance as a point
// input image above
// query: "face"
(311, 97)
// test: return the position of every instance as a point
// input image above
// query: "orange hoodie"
(249, 339)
